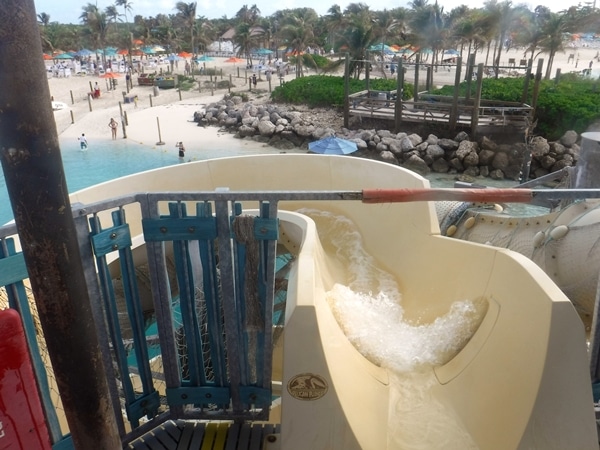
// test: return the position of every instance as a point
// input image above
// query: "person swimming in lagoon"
(181, 148)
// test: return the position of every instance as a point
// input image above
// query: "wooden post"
(536, 85)
(38, 192)
(238, 72)
(72, 98)
(428, 78)
(347, 91)
(469, 79)
(72, 117)
(160, 141)
(368, 72)
(90, 102)
(417, 68)
(399, 99)
(454, 109)
(230, 83)
(526, 82)
(123, 120)
(150, 96)
(557, 77)
(477, 99)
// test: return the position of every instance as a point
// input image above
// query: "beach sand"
(170, 119)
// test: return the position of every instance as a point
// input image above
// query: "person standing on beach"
(113, 127)
(82, 141)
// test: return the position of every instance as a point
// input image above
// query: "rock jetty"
(284, 128)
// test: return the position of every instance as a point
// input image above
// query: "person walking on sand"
(82, 141)
(113, 127)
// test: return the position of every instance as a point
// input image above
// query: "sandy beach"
(168, 117)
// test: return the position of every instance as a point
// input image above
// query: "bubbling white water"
(368, 307)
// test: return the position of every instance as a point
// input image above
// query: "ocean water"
(107, 160)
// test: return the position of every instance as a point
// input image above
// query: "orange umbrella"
(110, 75)
(47, 56)
(234, 59)
(123, 51)
(185, 55)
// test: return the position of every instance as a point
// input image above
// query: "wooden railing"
(195, 341)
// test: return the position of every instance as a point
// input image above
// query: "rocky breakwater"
(285, 128)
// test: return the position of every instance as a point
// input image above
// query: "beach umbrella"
(333, 146)
(64, 56)
(204, 58)
(234, 59)
(185, 54)
(173, 58)
(47, 57)
(148, 50)
(264, 51)
(123, 51)
(110, 75)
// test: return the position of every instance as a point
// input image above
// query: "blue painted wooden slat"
(168, 229)
(198, 395)
(114, 238)
(146, 404)
(13, 269)
(212, 301)
(187, 303)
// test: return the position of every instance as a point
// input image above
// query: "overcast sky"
(68, 11)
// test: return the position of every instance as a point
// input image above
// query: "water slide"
(395, 336)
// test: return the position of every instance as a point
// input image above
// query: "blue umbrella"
(84, 52)
(64, 56)
(204, 58)
(333, 146)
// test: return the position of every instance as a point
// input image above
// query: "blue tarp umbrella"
(333, 146)
(203, 58)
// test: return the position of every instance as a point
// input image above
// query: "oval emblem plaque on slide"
(307, 386)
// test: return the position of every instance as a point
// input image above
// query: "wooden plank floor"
(194, 435)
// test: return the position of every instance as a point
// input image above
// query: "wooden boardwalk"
(195, 435)
(441, 110)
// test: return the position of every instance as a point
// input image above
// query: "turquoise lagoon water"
(107, 160)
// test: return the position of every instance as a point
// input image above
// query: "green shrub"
(571, 104)
(326, 90)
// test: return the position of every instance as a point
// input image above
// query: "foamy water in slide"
(368, 306)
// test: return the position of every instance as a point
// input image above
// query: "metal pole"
(32, 165)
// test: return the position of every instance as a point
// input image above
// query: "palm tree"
(298, 34)
(248, 15)
(246, 38)
(553, 31)
(187, 13)
(126, 4)
(359, 34)
(43, 19)
(96, 25)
